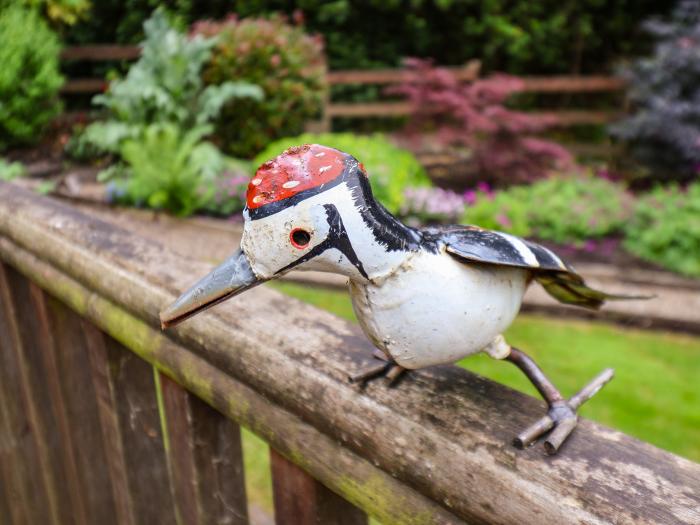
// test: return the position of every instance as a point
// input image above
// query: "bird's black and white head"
(310, 208)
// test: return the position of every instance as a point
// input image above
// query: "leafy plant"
(62, 12)
(167, 168)
(390, 169)
(506, 210)
(165, 85)
(11, 170)
(561, 209)
(29, 77)
(664, 132)
(665, 228)
(502, 142)
(285, 62)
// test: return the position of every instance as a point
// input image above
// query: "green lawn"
(655, 395)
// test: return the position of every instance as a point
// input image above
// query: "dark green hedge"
(518, 36)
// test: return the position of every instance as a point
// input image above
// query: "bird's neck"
(380, 240)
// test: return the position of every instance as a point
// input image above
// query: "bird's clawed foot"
(561, 417)
(391, 372)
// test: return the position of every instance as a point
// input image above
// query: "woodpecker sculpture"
(422, 296)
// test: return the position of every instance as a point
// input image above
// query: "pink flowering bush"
(284, 61)
(503, 143)
(426, 205)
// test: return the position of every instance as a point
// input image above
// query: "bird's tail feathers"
(570, 288)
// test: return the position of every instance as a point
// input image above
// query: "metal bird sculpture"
(422, 296)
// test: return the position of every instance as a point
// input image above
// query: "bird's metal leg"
(391, 372)
(562, 413)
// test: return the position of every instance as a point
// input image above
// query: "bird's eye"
(300, 238)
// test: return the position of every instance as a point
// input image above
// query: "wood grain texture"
(142, 441)
(46, 418)
(441, 440)
(204, 457)
(25, 486)
(301, 500)
(110, 430)
(82, 414)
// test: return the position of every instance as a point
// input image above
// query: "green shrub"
(283, 60)
(390, 169)
(62, 12)
(665, 228)
(518, 36)
(560, 209)
(11, 170)
(160, 114)
(167, 168)
(29, 77)
(165, 85)
(505, 210)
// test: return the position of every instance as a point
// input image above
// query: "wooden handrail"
(435, 450)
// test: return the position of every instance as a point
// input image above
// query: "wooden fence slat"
(301, 500)
(142, 441)
(369, 109)
(6, 489)
(105, 396)
(572, 84)
(205, 459)
(392, 76)
(45, 337)
(577, 117)
(84, 85)
(100, 52)
(82, 413)
(26, 486)
(38, 375)
(399, 109)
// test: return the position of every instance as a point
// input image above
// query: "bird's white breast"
(435, 309)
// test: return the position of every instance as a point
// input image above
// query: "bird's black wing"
(560, 280)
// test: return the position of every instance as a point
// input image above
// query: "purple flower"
(432, 205)
(484, 187)
(469, 197)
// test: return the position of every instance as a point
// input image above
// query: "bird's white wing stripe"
(525, 252)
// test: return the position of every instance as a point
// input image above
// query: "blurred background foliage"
(29, 75)
(518, 36)
(222, 86)
(286, 64)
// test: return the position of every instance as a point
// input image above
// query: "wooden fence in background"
(331, 110)
(106, 419)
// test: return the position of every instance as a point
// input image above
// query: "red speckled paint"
(297, 169)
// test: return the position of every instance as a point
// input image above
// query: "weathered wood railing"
(101, 419)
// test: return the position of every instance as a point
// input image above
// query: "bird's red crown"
(297, 169)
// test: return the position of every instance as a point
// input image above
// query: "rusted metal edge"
(363, 484)
(444, 432)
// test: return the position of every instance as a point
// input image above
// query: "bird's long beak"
(230, 278)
